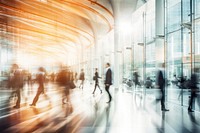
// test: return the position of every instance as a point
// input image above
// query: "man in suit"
(108, 80)
(96, 78)
(160, 82)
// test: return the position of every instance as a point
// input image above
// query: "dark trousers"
(39, 91)
(107, 90)
(137, 84)
(162, 100)
(96, 85)
(192, 97)
(18, 97)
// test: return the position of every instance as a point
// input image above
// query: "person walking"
(16, 83)
(108, 80)
(40, 79)
(96, 79)
(160, 82)
(194, 88)
(136, 79)
(82, 78)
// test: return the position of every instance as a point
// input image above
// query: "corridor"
(146, 53)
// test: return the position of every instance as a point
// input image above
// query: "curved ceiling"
(49, 26)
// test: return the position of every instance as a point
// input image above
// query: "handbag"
(94, 77)
(72, 85)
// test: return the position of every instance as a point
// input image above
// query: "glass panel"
(197, 38)
(196, 6)
(186, 11)
(127, 53)
(186, 93)
(139, 46)
(150, 63)
(174, 65)
(138, 59)
(172, 2)
(150, 22)
(174, 92)
(186, 64)
(197, 58)
(174, 17)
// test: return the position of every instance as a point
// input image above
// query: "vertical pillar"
(92, 62)
(102, 58)
(192, 61)
(144, 47)
(160, 31)
(81, 56)
(160, 36)
(116, 55)
(95, 55)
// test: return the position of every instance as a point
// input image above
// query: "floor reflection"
(86, 113)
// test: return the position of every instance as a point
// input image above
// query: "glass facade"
(144, 41)
(7, 53)
(181, 46)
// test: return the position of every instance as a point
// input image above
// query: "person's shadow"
(160, 127)
(195, 124)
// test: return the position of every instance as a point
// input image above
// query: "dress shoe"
(190, 110)
(31, 104)
(165, 109)
(16, 107)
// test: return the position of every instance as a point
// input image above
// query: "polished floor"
(129, 112)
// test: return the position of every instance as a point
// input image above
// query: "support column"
(117, 55)
(160, 37)
(160, 31)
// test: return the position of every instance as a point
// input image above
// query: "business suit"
(96, 82)
(108, 82)
(161, 84)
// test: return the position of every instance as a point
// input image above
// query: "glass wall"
(6, 58)
(182, 44)
(183, 47)
(139, 52)
(178, 47)
(144, 41)
(150, 63)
